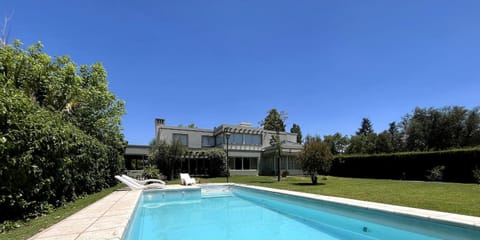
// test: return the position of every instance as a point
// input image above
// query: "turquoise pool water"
(224, 212)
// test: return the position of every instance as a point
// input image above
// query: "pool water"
(224, 212)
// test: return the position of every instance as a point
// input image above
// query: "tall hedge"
(60, 132)
(458, 165)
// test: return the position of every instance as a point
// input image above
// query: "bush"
(458, 165)
(60, 131)
(151, 172)
(285, 174)
(45, 161)
(436, 174)
(476, 174)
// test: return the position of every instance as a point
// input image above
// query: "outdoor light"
(226, 133)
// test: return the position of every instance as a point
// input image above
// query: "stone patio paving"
(104, 219)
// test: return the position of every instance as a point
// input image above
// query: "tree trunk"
(314, 179)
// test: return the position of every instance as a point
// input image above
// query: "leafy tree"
(316, 158)
(309, 138)
(296, 129)
(366, 128)
(472, 128)
(274, 121)
(338, 144)
(437, 129)
(60, 131)
(364, 142)
(384, 143)
(167, 158)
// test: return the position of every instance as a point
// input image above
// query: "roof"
(137, 150)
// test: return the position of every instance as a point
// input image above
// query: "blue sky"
(327, 64)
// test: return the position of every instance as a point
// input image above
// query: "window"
(253, 163)
(251, 139)
(238, 163)
(219, 139)
(183, 138)
(293, 163)
(246, 163)
(236, 138)
(231, 162)
(208, 141)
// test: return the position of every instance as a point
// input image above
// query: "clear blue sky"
(327, 64)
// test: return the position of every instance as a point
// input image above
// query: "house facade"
(249, 148)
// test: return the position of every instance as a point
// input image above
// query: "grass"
(30, 228)
(445, 197)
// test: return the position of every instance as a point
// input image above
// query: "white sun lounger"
(144, 182)
(186, 179)
(137, 186)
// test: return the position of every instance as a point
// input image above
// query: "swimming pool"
(241, 212)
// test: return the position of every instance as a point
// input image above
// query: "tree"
(296, 129)
(338, 144)
(472, 128)
(384, 142)
(364, 142)
(61, 130)
(316, 158)
(366, 128)
(167, 156)
(274, 121)
(309, 138)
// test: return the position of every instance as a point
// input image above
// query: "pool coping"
(109, 217)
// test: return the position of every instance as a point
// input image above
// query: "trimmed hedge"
(45, 161)
(458, 165)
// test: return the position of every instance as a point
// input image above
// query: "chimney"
(160, 121)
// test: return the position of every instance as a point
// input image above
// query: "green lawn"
(446, 197)
(30, 228)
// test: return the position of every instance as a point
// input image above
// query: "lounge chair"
(136, 186)
(144, 182)
(186, 179)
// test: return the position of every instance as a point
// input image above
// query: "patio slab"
(104, 219)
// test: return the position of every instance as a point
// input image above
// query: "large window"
(236, 138)
(240, 139)
(208, 141)
(182, 138)
(293, 163)
(239, 163)
(219, 139)
(251, 139)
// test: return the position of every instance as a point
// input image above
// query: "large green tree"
(296, 129)
(274, 121)
(364, 142)
(315, 159)
(338, 144)
(442, 128)
(167, 157)
(60, 127)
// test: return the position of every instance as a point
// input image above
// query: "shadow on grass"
(308, 184)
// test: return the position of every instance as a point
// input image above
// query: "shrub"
(458, 165)
(285, 174)
(151, 172)
(476, 174)
(436, 173)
